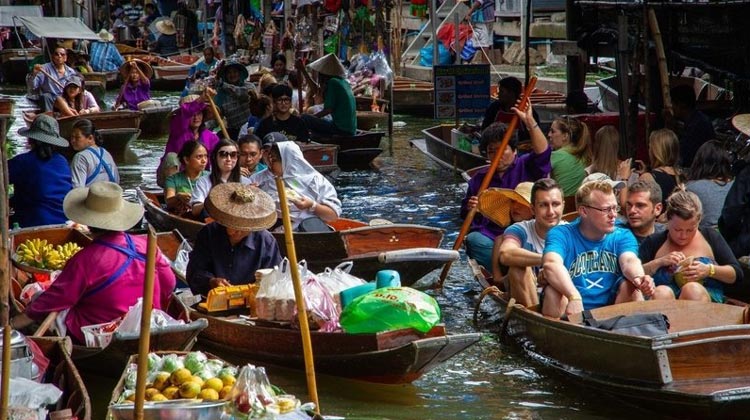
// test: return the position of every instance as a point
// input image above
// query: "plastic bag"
(390, 308)
(425, 54)
(252, 396)
(29, 394)
(275, 297)
(339, 279)
(380, 66)
(131, 322)
(180, 263)
(322, 311)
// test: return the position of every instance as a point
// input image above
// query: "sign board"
(461, 91)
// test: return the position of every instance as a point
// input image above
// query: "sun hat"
(328, 65)
(45, 129)
(166, 26)
(101, 205)
(229, 64)
(598, 176)
(495, 203)
(146, 68)
(241, 207)
(272, 138)
(148, 104)
(742, 123)
(106, 36)
(189, 98)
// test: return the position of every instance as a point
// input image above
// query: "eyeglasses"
(283, 100)
(606, 210)
(224, 154)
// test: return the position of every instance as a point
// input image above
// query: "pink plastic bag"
(321, 309)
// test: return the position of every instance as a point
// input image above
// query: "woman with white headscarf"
(309, 192)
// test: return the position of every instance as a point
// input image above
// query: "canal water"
(491, 380)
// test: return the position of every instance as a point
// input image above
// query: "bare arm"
(634, 272)
(539, 142)
(65, 110)
(513, 255)
(557, 275)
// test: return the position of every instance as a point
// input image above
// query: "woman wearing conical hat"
(338, 98)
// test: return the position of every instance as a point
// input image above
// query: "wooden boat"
(412, 250)
(367, 117)
(393, 357)
(155, 121)
(7, 107)
(14, 64)
(357, 151)
(323, 157)
(414, 97)
(437, 146)
(699, 369)
(63, 373)
(111, 359)
(170, 77)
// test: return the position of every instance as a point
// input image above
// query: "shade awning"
(7, 13)
(58, 27)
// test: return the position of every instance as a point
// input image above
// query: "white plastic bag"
(180, 262)
(275, 297)
(131, 322)
(339, 279)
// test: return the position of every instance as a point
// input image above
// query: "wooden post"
(653, 23)
(145, 338)
(621, 63)
(433, 26)
(646, 73)
(4, 273)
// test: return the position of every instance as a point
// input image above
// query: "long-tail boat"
(357, 151)
(412, 250)
(699, 369)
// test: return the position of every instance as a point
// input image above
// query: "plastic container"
(387, 278)
(348, 295)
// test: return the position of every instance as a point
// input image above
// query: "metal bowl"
(168, 410)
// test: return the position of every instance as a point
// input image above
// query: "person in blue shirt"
(40, 177)
(104, 54)
(592, 263)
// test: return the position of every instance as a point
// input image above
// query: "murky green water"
(489, 381)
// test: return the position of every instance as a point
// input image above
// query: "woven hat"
(229, 64)
(148, 104)
(742, 123)
(495, 203)
(106, 36)
(146, 68)
(598, 176)
(166, 26)
(45, 129)
(241, 207)
(101, 206)
(189, 98)
(328, 65)
(272, 138)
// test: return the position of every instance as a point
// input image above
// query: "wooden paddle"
(215, 110)
(57, 82)
(48, 321)
(145, 338)
(291, 253)
(488, 177)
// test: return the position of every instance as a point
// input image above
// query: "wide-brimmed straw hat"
(328, 65)
(229, 64)
(146, 68)
(599, 176)
(148, 104)
(241, 207)
(742, 123)
(45, 129)
(101, 206)
(495, 203)
(106, 36)
(166, 26)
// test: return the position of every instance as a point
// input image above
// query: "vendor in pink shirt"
(105, 278)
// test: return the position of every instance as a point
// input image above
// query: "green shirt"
(339, 98)
(567, 170)
(181, 183)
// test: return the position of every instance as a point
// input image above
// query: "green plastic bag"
(390, 308)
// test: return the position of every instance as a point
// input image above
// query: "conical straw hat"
(241, 207)
(495, 203)
(328, 65)
(742, 123)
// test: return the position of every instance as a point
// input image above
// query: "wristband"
(575, 297)
(711, 270)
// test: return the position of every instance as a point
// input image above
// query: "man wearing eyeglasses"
(49, 79)
(591, 262)
(282, 120)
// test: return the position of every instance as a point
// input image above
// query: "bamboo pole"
(5, 393)
(488, 177)
(304, 327)
(144, 343)
(57, 82)
(215, 110)
(4, 272)
(661, 58)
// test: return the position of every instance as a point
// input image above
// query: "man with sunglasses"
(282, 120)
(591, 262)
(49, 79)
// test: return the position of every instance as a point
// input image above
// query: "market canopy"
(8, 12)
(58, 27)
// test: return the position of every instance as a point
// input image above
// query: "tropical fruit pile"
(192, 376)
(41, 254)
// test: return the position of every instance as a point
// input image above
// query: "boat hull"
(65, 376)
(701, 368)
(357, 151)
(14, 64)
(437, 146)
(155, 121)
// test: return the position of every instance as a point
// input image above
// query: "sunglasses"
(224, 154)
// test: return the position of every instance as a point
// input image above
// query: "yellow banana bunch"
(67, 250)
(41, 254)
(54, 260)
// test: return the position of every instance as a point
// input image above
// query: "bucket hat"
(166, 27)
(229, 64)
(45, 129)
(495, 203)
(241, 207)
(598, 176)
(101, 206)
(106, 36)
(328, 65)
(144, 66)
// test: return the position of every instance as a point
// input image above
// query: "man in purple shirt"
(512, 170)
(229, 251)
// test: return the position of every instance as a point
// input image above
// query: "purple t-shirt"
(179, 131)
(528, 167)
(133, 95)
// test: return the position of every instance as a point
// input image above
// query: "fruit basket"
(55, 236)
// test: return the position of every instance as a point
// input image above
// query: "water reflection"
(490, 380)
